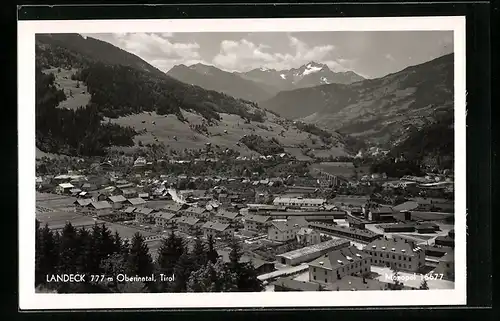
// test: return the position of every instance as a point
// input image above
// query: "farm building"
(64, 188)
(398, 227)
(101, 205)
(116, 201)
(312, 252)
(144, 215)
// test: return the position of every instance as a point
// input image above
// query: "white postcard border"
(29, 300)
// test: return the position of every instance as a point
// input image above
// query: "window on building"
(314, 277)
(314, 269)
(409, 259)
(387, 255)
(326, 280)
(400, 257)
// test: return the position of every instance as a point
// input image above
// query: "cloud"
(389, 57)
(156, 48)
(246, 55)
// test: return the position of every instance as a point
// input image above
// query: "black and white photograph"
(222, 164)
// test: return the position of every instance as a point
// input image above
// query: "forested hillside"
(72, 132)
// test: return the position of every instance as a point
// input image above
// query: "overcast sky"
(370, 54)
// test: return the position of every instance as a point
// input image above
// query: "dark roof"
(117, 199)
(187, 220)
(196, 210)
(173, 207)
(226, 214)
(445, 238)
(164, 215)
(216, 226)
(145, 210)
(292, 284)
(283, 226)
(100, 205)
(399, 245)
(257, 218)
(338, 258)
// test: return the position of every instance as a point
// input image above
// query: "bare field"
(76, 92)
(54, 201)
(226, 134)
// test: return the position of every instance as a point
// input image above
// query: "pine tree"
(212, 254)
(68, 249)
(169, 254)
(139, 260)
(47, 256)
(210, 278)
(85, 253)
(182, 272)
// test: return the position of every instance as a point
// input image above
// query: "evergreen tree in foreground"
(169, 254)
(139, 262)
(212, 254)
(424, 285)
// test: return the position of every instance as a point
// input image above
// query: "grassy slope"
(80, 96)
(166, 127)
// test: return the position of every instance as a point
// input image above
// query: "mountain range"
(93, 96)
(262, 83)
(381, 111)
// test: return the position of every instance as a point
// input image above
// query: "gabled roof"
(144, 210)
(173, 207)
(129, 209)
(117, 199)
(164, 215)
(187, 220)
(136, 201)
(216, 226)
(400, 246)
(284, 226)
(100, 205)
(196, 210)
(338, 258)
(82, 202)
(257, 218)
(226, 214)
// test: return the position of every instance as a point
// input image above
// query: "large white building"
(308, 236)
(299, 201)
(339, 263)
(283, 230)
(396, 253)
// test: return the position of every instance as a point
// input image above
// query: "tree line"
(97, 251)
